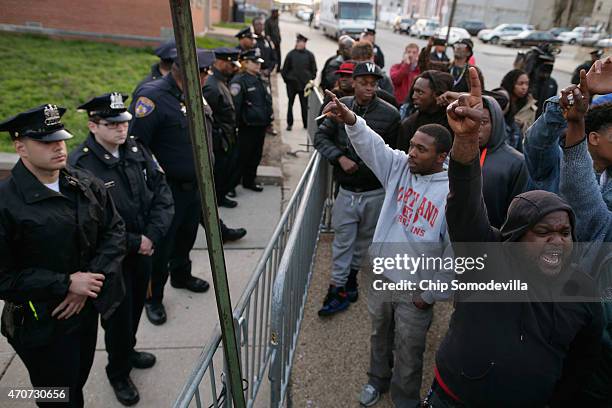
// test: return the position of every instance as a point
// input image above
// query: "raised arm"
(466, 213)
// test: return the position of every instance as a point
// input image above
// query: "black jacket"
(504, 171)
(45, 237)
(379, 58)
(136, 184)
(252, 100)
(521, 354)
(332, 141)
(272, 30)
(328, 73)
(266, 52)
(299, 68)
(153, 75)
(219, 98)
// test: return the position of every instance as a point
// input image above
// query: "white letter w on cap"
(371, 67)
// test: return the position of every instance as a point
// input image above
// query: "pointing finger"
(475, 86)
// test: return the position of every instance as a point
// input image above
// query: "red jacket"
(403, 77)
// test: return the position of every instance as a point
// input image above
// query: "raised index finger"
(475, 86)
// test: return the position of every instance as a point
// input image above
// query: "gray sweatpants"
(397, 344)
(354, 218)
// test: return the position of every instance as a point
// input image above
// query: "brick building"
(133, 21)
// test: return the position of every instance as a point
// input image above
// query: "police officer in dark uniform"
(217, 93)
(266, 48)
(166, 53)
(299, 68)
(595, 55)
(246, 39)
(144, 201)
(160, 123)
(369, 34)
(254, 113)
(61, 247)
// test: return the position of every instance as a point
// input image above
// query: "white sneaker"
(369, 396)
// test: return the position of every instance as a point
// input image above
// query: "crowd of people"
(514, 164)
(422, 155)
(126, 203)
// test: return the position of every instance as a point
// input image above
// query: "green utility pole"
(450, 20)
(185, 45)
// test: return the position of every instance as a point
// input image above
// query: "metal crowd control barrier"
(293, 239)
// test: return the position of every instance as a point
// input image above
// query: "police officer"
(254, 113)
(144, 201)
(266, 48)
(369, 35)
(166, 54)
(160, 122)
(61, 247)
(299, 68)
(217, 93)
(246, 39)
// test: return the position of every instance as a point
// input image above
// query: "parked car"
(251, 10)
(604, 43)
(590, 38)
(493, 36)
(571, 37)
(456, 34)
(558, 30)
(472, 26)
(424, 28)
(402, 25)
(530, 38)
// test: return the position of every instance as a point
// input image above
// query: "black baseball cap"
(367, 68)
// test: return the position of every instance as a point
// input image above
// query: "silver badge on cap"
(116, 101)
(52, 116)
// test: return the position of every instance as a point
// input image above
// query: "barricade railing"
(291, 284)
(253, 314)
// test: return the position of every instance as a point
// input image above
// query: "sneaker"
(335, 301)
(352, 286)
(369, 395)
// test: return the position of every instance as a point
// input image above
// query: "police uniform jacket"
(252, 100)
(136, 184)
(46, 236)
(299, 68)
(160, 123)
(219, 98)
(153, 75)
(266, 52)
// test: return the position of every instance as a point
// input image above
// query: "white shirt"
(54, 186)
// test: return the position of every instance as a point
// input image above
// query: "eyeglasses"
(113, 125)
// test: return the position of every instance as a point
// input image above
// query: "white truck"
(350, 17)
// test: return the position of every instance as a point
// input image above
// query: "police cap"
(369, 31)
(246, 33)
(166, 51)
(109, 107)
(42, 123)
(300, 37)
(205, 59)
(252, 55)
(367, 68)
(228, 54)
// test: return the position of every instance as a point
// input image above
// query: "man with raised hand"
(411, 221)
(510, 349)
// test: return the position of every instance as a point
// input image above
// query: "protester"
(344, 85)
(61, 247)
(404, 73)
(328, 73)
(591, 201)
(439, 51)
(273, 34)
(360, 195)
(522, 109)
(407, 320)
(427, 87)
(511, 354)
(299, 68)
(369, 35)
(539, 64)
(362, 51)
(128, 170)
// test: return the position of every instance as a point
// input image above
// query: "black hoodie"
(521, 354)
(504, 171)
